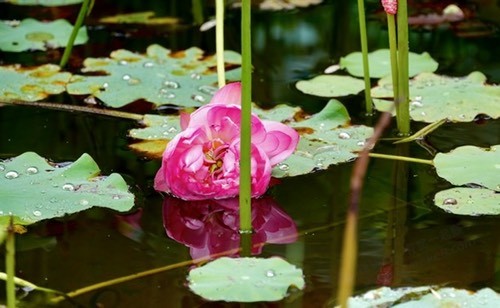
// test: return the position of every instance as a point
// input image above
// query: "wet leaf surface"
(245, 279)
(146, 18)
(277, 5)
(33, 189)
(186, 78)
(470, 165)
(31, 84)
(435, 97)
(425, 296)
(331, 86)
(468, 201)
(32, 34)
(380, 63)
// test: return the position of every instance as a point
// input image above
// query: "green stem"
(79, 21)
(391, 26)
(348, 258)
(364, 51)
(219, 41)
(197, 10)
(403, 107)
(10, 265)
(402, 158)
(246, 109)
(423, 132)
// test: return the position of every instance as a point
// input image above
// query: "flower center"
(214, 154)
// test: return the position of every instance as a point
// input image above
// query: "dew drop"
(2, 167)
(198, 98)
(196, 76)
(171, 84)
(37, 213)
(462, 116)
(450, 201)
(321, 126)
(122, 62)
(423, 113)
(320, 162)
(116, 197)
(105, 85)
(68, 187)
(11, 175)
(284, 167)
(270, 273)
(148, 64)
(166, 93)
(126, 77)
(84, 202)
(133, 81)
(416, 104)
(32, 170)
(344, 135)
(172, 130)
(360, 143)
(207, 90)
(53, 200)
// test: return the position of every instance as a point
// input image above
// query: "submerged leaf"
(435, 97)
(468, 201)
(380, 63)
(31, 84)
(470, 165)
(185, 78)
(139, 18)
(32, 34)
(245, 279)
(331, 86)
(426, 296)
(33, 189)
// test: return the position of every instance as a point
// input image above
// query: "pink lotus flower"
(202, 162)
(390, 6)
(210, 227)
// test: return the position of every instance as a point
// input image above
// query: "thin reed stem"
(364, 51)
(219, 41)
(403, 100)
(78, 24)
(402, 158)
(10, 265)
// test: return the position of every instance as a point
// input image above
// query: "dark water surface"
(403, 239)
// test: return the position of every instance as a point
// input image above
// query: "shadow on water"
(404, 240)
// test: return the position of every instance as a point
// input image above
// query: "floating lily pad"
(33, 189)
(185, 78)
(31, 84)
(435, 97)
(32, 34)
(45, 2)
(326, 137)
(427, 296)
(245, 279)
(470, 165)
(468, 201)
(331, 86)
(139, 18)
(380, 63)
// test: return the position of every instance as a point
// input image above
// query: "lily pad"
(470, 165)
(31, 84)
(426, 296)
(331, 86)
(45, 2)
(435, 97)
(326, 137)
(380, 63)
(33, 189)
(468, 201)
(245, 279)
(185, 78)
(139, 18)
(32, 34)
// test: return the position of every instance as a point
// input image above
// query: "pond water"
(403, 239)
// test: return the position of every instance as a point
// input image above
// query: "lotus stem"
(246, 109)
(391, 26)
(219, 41)
(197, 10)
(364, 51)
(403, 100)
(78, 24)
(402, 158)
(10, 265)
(423, 132)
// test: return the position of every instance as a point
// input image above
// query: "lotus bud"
(390, 6)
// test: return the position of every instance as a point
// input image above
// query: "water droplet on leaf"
(450, 201)
(171, 84)
(37, 213)
(270, 273)
(122, 62)
(283, 167)
(68, 187)
(126, 77)
(11, 175)
(148, 64)
(196, 76)
(2, 167)
(166, 93)
(198, 98)
(32, 170)
(207, 89)
(84, 202)
(344, 135)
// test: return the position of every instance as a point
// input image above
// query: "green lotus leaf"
(185, 78)
(139, 18)
(426, 296)
(45, 2)
(32, 34)
(435, 97)
(468, 201)
(31, 84)
(380, 63)
(331, 86)
(470, 165)
(245, 279)
(33, 189)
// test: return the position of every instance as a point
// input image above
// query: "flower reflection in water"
(211, 227)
